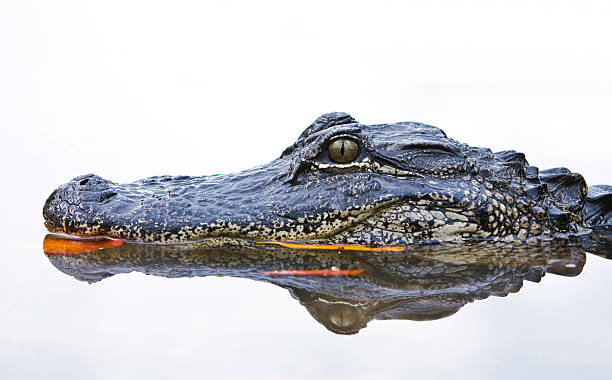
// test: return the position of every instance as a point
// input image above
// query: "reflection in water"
(344, 290)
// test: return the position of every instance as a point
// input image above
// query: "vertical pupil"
(342, 149)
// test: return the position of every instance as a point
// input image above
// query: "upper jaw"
(182, 209)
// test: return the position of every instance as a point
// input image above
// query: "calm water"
(100, 315)
(344, 288)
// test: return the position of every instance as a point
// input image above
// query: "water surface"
(345, 287)
(100, 315)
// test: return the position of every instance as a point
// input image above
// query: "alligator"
(343, 182)
(427, 282)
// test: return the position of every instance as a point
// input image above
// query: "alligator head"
(343, 182)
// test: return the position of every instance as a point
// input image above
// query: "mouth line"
(65, 244)
(85, 239)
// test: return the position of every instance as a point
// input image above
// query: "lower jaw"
(72, 244)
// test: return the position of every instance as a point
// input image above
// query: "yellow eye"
(343, 150)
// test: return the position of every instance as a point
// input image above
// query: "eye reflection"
(343, 150)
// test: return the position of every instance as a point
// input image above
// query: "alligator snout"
(76, 202)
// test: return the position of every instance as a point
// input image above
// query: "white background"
(129, 89)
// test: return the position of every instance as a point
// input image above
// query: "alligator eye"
(343, 150)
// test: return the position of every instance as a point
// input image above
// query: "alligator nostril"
(106, 196)
(84, 182)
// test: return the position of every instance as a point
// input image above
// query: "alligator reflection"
(346, 290)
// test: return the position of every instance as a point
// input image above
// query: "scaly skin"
(408, 183)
